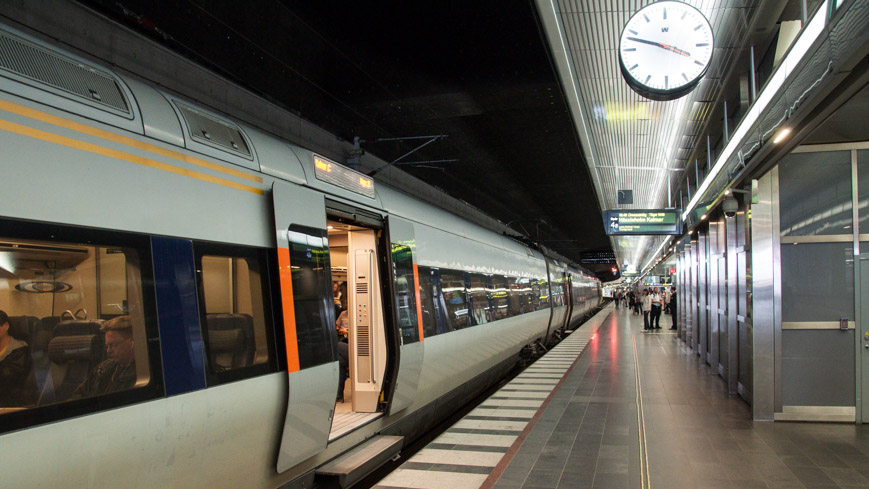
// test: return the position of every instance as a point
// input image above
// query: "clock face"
(665, 50)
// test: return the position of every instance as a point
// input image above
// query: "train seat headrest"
(62, 349)
(77, 327)
(224, 341)
(23, 328)
(223, 322)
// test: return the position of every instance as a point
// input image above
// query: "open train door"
(308, 320)
(407, 312)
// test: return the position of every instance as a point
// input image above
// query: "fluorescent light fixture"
(781, 135)
(645, 268)
(807, 37)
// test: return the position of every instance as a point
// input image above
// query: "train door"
(308, 322)
(361, 323)
(568, 300)
(376, 298)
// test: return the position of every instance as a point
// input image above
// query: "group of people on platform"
(651, 303)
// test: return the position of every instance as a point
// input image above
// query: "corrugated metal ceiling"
(640, 144)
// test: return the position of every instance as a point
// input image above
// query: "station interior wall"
(772, 299)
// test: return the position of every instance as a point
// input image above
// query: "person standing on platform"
(655, 315)
(647, 308)
(673, 309)
(618, 299)
(665, 300)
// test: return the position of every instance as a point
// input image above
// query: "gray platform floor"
(630, 410)
(630, 389)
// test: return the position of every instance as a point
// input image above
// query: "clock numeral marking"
(685, 76)
(698, 63)
(646, 17)
(629, 49)
(666, 82)
(683, 15)
(632, 67)
(632, 31)
(698, 27)
(665, 14)
(699, 44)
(647, 79)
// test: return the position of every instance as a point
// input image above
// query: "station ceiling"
(479, 73)
(485, 75)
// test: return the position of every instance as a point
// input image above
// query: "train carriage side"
(100, 223)
(213, 238)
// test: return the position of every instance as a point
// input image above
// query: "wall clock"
(665, 49)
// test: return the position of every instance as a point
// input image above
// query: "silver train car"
(172, 281)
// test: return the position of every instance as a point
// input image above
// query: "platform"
(613, 407)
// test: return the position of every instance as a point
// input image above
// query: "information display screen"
(642, 221)
(331, 172)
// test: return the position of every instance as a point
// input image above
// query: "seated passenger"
(343, 325)
(15, 368)
(119, 371)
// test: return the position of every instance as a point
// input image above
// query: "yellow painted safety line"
(117, 138)
(112, 153)
(645, 478)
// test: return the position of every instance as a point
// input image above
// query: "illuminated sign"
(642, 221)
(341, 176)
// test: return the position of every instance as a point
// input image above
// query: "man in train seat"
(118, 372)
(17, 385)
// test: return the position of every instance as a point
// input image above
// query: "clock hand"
(662, 46)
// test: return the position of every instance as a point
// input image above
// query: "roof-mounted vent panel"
(29, 63)
(215, 132)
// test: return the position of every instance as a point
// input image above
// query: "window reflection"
(815, 194)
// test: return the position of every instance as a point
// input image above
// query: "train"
(172, 280)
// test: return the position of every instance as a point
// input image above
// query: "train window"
(312, 295)
(521, 295)
(426, 297)
(478, 294)
(498, 296)
(77, 317)
(541, 294)
(234, 309)
(405, 295)
(452, 288)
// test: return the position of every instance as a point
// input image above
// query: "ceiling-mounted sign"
(665, 49)
(626, 197)
(642, 221)
(597, 257)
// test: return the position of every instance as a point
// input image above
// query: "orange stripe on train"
(286, 278)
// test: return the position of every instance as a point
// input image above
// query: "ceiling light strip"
(645, 268)
(805, 40)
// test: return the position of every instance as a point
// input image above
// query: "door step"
(354, 465)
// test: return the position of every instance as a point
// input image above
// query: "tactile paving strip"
(466, 453)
